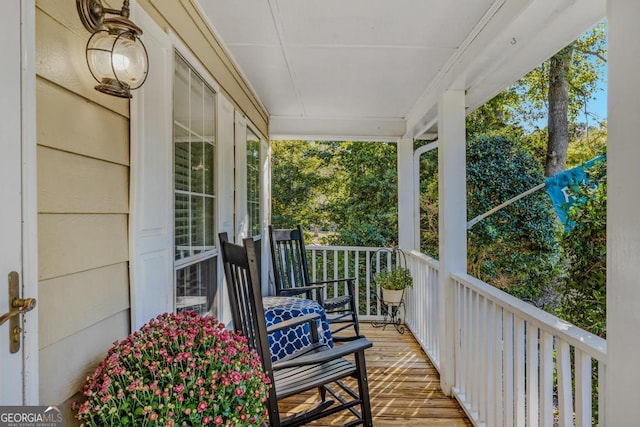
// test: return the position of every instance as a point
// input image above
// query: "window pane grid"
(253, 183)
(194, 193)
(194, 286)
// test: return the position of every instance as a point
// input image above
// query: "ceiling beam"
(357, 129)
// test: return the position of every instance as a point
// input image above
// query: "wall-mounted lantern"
(115, 54)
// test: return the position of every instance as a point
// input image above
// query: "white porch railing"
(422, 316)
(336, 262)
(515, 365)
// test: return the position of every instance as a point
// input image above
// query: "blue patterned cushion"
(284, 344)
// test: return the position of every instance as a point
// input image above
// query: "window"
(194, 190)
(253, 183)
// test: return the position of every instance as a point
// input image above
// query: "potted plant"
(179, 369)
(393, 283)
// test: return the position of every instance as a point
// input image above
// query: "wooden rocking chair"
(321, 368)
(291, 275)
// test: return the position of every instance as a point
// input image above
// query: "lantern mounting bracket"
(92, 13)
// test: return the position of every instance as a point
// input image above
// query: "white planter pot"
(392, 297)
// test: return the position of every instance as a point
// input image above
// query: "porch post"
(623, 223)
(452, 188)
(408, 237)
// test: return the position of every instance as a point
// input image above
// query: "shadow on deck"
(404, 386)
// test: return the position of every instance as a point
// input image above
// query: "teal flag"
(559, 188)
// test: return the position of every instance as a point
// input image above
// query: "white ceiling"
(360, 68)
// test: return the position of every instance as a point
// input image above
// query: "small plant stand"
(391, 312)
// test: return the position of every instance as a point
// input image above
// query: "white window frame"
(180, 48)
(261, 200)
(226, 206)
(242, 209)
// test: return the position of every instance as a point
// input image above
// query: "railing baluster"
(335, 273)
(324, 265)
(457, 328)
(532, 375)
(481, 374)
(583, 376)
(475, 351)
(490, 372)
(434, 305)
(378, 290)
(565, 401)
(467, 333)
(519, 370)
(498, 352)
(356, 272)
(546, 379)
(345, 267)
(314, 254)
(602, 378)
(508, 377)
(368, 269)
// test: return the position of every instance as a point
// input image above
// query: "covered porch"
(505, 362)
(95, 221)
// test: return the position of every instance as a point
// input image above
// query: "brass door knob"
(22, 305)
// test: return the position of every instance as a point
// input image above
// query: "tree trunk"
(558, 124)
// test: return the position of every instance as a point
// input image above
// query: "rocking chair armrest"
(317, 357)
(327, 282)
(295, 321)
(305, 290)
(350, 281)
(300, 289)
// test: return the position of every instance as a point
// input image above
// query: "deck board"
(404, 386)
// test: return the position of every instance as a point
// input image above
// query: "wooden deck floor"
(404, 386)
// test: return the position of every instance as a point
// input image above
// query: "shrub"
(180, 369)
(514, 249)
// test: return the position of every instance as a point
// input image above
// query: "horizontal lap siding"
(83, 205)
(90, 185)
(72, 121)
(65, 364)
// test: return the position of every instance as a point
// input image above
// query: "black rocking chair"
(291, 275)
(321, 368)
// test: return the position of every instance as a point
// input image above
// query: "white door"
(18, 379)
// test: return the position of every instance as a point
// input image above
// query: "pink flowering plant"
(179, 369)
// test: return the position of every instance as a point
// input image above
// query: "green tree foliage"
(496, 116)
(586, 69)
(583, 288)
(588, 143)
(515, 248)
(347, 188)
(429, 203)
(297, 185)
(365, 208)
(560, 89)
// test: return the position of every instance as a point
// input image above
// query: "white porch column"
(408, 237)
(623, 218)
(452, 189)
